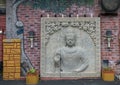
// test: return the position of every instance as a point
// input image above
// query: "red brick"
(31, 19)
(2, 26)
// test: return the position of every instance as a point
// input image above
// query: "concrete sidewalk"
(63, 82)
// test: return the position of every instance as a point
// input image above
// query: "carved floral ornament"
(88, 26)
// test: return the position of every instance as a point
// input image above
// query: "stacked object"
(11, 59)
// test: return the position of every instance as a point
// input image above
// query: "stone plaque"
(70, 47)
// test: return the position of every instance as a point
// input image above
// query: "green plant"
(32, 77)
(32, 71)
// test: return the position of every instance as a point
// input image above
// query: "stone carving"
(70, 58)
(79, 57)
(88, 26)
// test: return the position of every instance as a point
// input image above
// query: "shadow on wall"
(1, 67)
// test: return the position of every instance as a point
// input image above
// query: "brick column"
(11, 59)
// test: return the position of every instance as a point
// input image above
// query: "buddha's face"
(70, 41)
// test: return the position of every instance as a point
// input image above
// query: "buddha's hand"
(57, 61)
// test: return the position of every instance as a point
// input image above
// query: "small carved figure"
(70, 58)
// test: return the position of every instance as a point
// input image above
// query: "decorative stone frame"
(90, 26)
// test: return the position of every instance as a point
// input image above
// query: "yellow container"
(32, 79)
(108, 75)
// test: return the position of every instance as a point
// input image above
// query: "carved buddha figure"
(70, 58)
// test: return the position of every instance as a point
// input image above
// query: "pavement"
(63, 82)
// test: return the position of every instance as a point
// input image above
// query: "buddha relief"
(70, 47)
(70, 58)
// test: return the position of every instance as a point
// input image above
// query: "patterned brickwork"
(11, 59)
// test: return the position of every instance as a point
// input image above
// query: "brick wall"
(31, 19)
(2, 27)
(108, 22)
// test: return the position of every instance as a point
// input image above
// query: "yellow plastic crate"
(17, 75)
(10, 63)
(32, 79)
(5, 70)
(17, 69)
(5, 76)
(108, 76)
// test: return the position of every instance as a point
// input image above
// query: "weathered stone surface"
(87, 32)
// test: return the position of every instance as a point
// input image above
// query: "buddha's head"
(70, 38)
